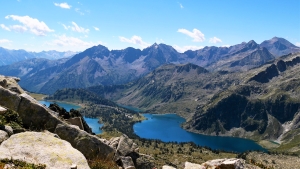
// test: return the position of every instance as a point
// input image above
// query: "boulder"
(36, 116)
(3, 136)
(232, 163)
(42, 148)
(127, 163)
(7, 129)
(11, 83)
(113, 142)
(2, 110)
(167, 167)
(90, 146)
(126, 146)
(9, 99)
(188, 165)
(144, 162)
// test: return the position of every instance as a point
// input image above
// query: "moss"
(12, 119)
(21, 164)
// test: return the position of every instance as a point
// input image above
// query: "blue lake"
(167, 128)
(92, 122)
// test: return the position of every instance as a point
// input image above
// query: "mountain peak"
(279, 46)
(252, 44)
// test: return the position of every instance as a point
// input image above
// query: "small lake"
(92, 122)
(167, 128)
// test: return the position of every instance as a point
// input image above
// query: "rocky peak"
(251, 45)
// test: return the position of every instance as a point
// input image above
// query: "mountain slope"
(100, 66)
(264, 106)
(279, 46)
(8, 57)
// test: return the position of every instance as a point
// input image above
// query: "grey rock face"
(90, 146)
(3, 136)
(7, 129)
(126, 146)
(127, 163)
(232, 163)
(42, 148)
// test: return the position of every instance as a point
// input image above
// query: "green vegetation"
(113, 116)
(38, 96)
(20, 164)
(102, 164)
(12, 119)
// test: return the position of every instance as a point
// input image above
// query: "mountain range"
(100, 66)
(262, 103)
(8, 56)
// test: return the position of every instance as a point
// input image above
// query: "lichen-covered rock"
(90, 146)
(127, 163)
(167, 167)
(2, 110)
(126, 146)
(232, 163)
(42, 148)
(11, 83)
(9, 99)
(36, 116)
(3, 136)
(144, 162)
(188, 165)
(7, 129)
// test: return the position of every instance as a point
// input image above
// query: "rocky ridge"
(98, 65)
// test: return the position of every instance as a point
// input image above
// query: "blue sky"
(186, 24)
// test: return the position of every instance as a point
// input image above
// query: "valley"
(227, 94)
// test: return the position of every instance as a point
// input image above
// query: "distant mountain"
(98, 65)
(8, 57)
(243, 56)
(279, 46)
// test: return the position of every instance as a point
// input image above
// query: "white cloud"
(4, 27)
(79, 11)
(63, 5)
(79, 29)
(19, 28)
(135, 40)
(31, 24)
(298, 44)
(181, 6)
(215, 40)
(96, 28)
(65, 27)
(64, 40)
(197, 35)
(186, 48)
(5, 41)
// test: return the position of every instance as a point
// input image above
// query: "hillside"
(8, 56)
(100, 66)
(261, 104)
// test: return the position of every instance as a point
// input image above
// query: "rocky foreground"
(33, 133)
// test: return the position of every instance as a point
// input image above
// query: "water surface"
(167, 128)
(92, 122)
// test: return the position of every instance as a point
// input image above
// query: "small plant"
(102, 164)
(20, 164)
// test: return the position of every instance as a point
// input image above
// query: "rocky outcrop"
(3, 136)
(91, 146)
(42, 148)
(167, 167)
(7, 129)
(274, 70)
(232, 163)
(38, 117)
(128, 150)
(2, 110)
